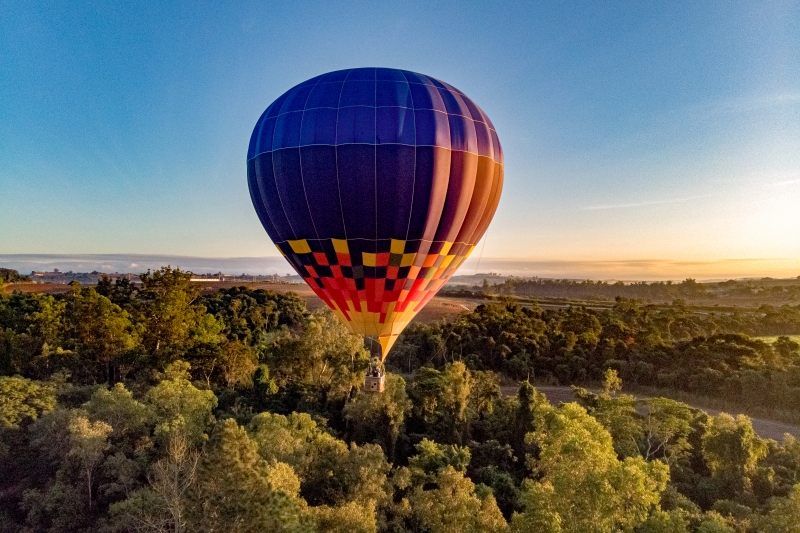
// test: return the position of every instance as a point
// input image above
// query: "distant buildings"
(91, 278)
(85, 278)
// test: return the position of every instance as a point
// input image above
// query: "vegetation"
(8, 275)
(156, 408)
(668, 348)
(765, 290)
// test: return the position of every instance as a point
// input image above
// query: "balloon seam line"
(336, 153)
(300, 159)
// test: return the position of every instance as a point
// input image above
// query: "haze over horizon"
(641, 141)
(630, 270)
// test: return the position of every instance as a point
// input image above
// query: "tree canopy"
(155, 407)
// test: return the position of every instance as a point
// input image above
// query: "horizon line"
(491, 258)
(607, 269)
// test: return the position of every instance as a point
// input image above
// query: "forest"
(711, 354)
(765, 290)
(156, 407)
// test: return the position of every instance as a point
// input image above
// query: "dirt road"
(768, 429)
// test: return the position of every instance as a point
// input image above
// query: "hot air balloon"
(375, 184)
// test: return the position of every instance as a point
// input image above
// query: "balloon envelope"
(375, 184)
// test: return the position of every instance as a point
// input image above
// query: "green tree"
(454, 506)
(581, 486)
(99, 330)
(163, 505)
(263, 385)
(529, 401)
(60, 508)
(122, 291)
(169, 308)
(616, 412)
(424, 394)
(441, 400)
(331, 473)
(88, 444)
(713, 522)
(484, 392)
(237, 491)
(31, 334)
(208, 330)
(47, 320)
(666, 426)
(22, 399)
(180, 406)
(339, 474)
(227, 362)
(432, 457)
(379, 418)
(664, 522)
(237, 364)
(325, 355)
(583, 324)
(143, 511)
(784, 460)
(206, 359)
(731, 450)
(130, 418)
(454, 401)
(294, 439)
(783, 515)
(351, 517)
(250, 315)
(787, 348)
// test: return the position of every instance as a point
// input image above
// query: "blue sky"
(633, 131)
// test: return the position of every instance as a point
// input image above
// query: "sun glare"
(770, 223)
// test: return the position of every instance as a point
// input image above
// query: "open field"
(40, 288)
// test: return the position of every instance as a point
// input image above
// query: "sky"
(637, 135)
